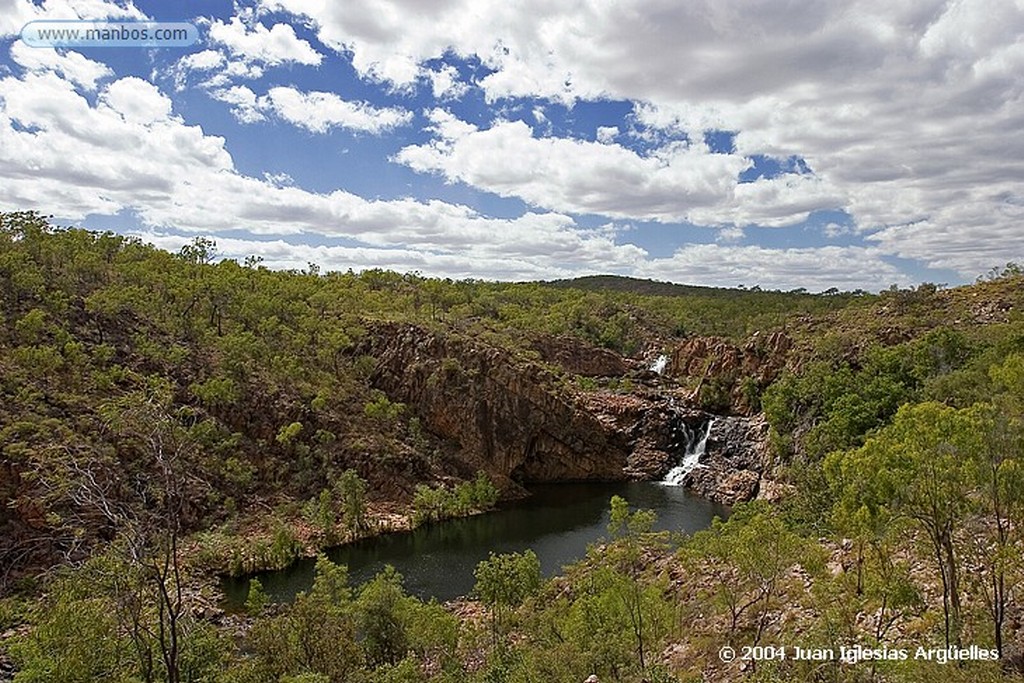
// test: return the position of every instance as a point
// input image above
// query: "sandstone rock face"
(658, 431)
(508, 416)
(713, 356)
(579, 358)
(704, 356)
(654, 427)
(511, 418)
(714, 360)
(734, 462)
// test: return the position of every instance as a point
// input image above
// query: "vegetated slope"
(896, 420)
(632, 285)
(268, 384)
(682, 310)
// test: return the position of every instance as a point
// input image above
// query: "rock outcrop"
(508, 416)
(659, 431)
(719, 366)
(734, 462)
(652, 425)
(512, 418)
(579, 358)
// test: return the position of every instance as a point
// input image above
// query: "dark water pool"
(437, 561)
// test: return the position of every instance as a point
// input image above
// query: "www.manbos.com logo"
(81, 33)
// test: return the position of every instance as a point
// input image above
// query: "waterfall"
(691, 456)
(659, 364)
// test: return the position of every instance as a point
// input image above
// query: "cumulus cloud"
(73, 66)
(908, 112)
(732, 234)
(317, 112)
(282, 254)
(137, 101)
(202, 61)
(833, 230)
(256, 43)
(607, 134)
(445, 83)
(678, 182)
(14, 14)
(320, 111)
(245, 105)
(127, 150)
(815, 269)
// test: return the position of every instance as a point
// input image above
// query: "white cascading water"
(659, 364)
(691, 458)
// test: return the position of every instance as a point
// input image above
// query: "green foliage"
(283, 550)
(316, 635)
(102, 623)
(132, 380)
(378, 634)
(319, 513)
(749, 558)
(834, 406)
(432, 504)
(352, 494)
(75, 638)
(625, 565)
(257, 600)
(383, 610)
(287, 434)
(938, 467)
(503, 582)
(216, 391)
(383, 410)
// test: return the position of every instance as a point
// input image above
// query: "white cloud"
(445, 83)
(244, 104)
(732, 234)
(227, 70)
(815, 269)
(607, 134)
(833, 230)
(278, 179)
(14, 14)
(907, 112)
(679, 182)
(127, 151)
(281, 254)
(318, 112)
(202, 61)
(71, 65)
(257, 43)
(138, 101)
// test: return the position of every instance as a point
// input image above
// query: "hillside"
(632, 285)
(165, 418)
(271, 382)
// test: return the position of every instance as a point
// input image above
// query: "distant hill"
(620, 283)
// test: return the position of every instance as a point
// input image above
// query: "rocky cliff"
(507, 415)
(579, 358)
(511, 417)
(735, 461)
(725, 372)
(659, 431)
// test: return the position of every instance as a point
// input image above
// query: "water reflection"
(557, 522)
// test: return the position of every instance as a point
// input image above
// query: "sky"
(781, 144)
